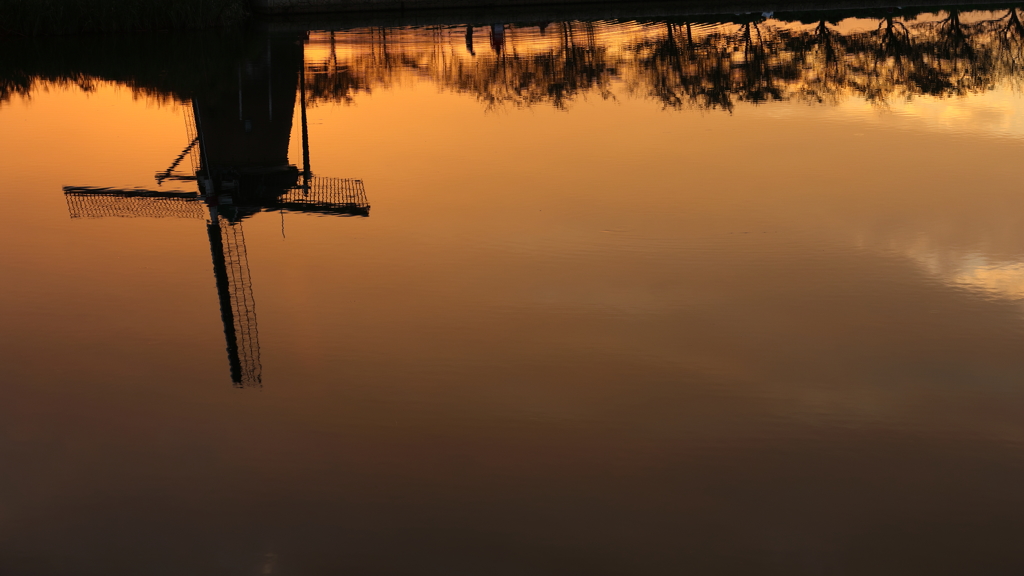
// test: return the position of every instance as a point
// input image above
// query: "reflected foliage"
(684, 64)
(159, 66)
(819, 59)
(896, 59)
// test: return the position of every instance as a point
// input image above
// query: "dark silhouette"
(238, 144)
(749, 59)
(680, 63)
(498, 38)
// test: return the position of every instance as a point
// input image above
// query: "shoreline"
(43, 18)
(655, 8)
(593, 11)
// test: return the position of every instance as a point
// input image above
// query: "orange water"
(614, 338)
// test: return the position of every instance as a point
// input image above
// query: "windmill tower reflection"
(240, 167)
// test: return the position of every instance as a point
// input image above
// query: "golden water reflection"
(607, 317)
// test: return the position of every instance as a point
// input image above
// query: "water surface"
(735, 296)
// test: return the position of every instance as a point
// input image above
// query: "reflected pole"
(305, 129)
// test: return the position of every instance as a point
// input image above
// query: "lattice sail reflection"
(237, 305)
(332, 196)
(319, 195)
(89, 202)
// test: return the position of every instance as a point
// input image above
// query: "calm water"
(570, 297)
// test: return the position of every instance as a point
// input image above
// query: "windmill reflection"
(242, 92)
(238, 148)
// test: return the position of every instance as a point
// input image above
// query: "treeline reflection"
(680, 64)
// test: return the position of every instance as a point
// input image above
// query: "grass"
(62, 17)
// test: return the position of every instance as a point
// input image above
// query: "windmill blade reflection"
(94, 202)
(237, 305)
(327, 196)
(333, 196)
(230, 261)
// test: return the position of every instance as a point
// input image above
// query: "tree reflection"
(577, 65)
(678, 63)
(689, 65)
